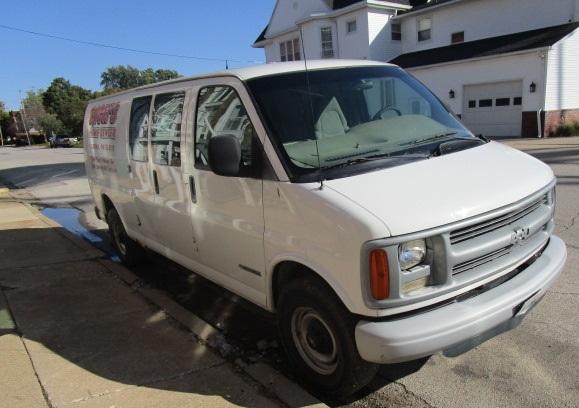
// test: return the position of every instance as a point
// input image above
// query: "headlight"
(411, 253)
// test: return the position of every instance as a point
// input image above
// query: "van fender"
(317, 269)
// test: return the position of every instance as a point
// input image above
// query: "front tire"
(130, 252)
(317, 332)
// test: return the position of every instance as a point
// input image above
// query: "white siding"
(313, 37)
(271, 53)
(486, 18)
(287, 12)
(563, 74)
(527, 67)
(353, 45)
(382, 48)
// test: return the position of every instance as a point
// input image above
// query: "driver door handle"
(156, 181)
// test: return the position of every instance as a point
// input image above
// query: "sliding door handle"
(193, 189)
(156, 181)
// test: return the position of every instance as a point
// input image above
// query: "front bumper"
(465, 322)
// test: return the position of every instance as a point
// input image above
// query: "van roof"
(262, 70)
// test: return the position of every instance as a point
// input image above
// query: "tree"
(68, 102)
(125, 77)
(51, 125)
(33, 108)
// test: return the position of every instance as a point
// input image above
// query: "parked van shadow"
(88, 334)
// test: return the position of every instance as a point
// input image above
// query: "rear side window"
(221, 112)
(166, 128)
(139, 127)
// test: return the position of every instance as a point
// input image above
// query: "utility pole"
(23, 117)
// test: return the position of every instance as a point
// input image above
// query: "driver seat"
(332, 121)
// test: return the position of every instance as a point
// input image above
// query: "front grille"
(481, 260)
(473, 231)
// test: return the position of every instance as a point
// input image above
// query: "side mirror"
(224, 155)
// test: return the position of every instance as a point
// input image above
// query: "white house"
(501, 65)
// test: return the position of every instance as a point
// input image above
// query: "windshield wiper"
(384, 156)
(430, 138)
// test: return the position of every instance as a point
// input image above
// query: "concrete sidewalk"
(73, 334)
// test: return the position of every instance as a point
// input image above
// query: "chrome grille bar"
(473, 263)
(484, 227)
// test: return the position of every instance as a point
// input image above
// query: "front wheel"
(130, 252)
(317, 332)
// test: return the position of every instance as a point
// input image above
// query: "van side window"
(221, 112)
(166, 128)
(138, 128)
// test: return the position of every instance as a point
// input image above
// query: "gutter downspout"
(540, 128)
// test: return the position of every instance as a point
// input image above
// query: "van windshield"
(348, 116)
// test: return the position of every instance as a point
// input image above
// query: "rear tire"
(317, 333)
(130, 252)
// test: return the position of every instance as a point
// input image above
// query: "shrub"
(571, 129)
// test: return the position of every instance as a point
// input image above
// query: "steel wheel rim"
(118, 241)
(314, 340)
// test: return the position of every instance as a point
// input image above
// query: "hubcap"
(314, 340)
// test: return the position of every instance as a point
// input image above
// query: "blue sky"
(217, 29)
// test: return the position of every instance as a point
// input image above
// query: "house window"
(472, 104)
(517, 101)
(327, 43)
(457, 38)
(351, 26)
(290, 50)
(424, 29)
(485, 103)
(503, 102)
(396, 29)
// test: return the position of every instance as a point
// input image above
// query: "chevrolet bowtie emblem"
(520, 235)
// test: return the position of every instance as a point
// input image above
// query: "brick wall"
(554, 119)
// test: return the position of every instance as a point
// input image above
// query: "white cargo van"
(344, 198)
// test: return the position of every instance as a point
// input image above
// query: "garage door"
(493, 109)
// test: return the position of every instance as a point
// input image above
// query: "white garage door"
(493, 109)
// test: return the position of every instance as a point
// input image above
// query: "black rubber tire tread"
(352, 372)
(135, 253)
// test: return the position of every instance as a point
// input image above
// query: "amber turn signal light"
(379, 274)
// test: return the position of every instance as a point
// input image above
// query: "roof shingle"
(487, 47)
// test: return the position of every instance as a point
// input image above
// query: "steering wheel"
(378, 114)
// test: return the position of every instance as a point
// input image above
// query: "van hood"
(442, 190)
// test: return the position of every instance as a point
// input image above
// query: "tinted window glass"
(166, 129)
(503, 102)
(138, 128)
(485, 103)
(221, 112)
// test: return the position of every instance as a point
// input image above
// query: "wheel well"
(108, 204)
(288, 271)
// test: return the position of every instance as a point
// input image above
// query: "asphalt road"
(535, 365)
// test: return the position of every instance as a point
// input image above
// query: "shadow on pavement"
(30, 176)
(88, 334)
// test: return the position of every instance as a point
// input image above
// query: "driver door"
(228, 212)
